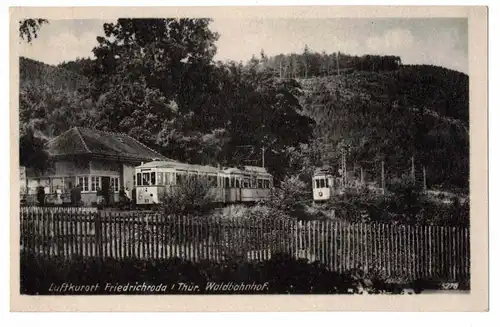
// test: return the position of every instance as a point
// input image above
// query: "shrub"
(193, 195)
(403, 203)
(263, 217)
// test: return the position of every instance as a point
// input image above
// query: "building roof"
(86, 141)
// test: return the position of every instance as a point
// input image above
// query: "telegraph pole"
(343, 168)
(263, 150)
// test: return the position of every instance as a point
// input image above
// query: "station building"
(92, 159)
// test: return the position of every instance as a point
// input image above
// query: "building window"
(134, 180)
(95, 183)
(83, 181)
(115, 184)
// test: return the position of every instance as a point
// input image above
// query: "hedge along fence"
(391, 251)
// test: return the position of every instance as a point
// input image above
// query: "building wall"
(64, 167)
(128, 176)
(105, 168)
(64, 174)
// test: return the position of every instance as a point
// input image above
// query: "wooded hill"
(181, 102)
(391, 116)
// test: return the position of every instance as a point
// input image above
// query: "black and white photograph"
(188, 155)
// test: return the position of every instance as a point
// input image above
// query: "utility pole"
(343, 168)
(413, 169)
(425, 182)
(281, 70)
(263, 162)
(383, 178)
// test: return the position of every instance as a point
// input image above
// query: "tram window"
(238, 183)
(212, 180)
(317, 183)
(266, 183)
(139, 179)
(153, 178)
(322, 183)
(226, 184)
(326, 182)
(254, 183)
(145, 179)
(160, 178)
(246, 183)
(259, 183)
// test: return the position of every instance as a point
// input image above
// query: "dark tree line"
(313, 64)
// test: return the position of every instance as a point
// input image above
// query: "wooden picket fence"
(398, 251)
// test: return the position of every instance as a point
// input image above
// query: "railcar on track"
(323, 185)
(154, 180)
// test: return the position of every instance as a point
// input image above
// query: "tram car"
(153, 181)
(323, 185)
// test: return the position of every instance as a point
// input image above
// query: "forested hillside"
(415, 111)
(35, 73)
(181, 102)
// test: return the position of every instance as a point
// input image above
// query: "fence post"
(98, 233)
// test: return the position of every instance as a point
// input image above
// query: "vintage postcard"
(220, 158)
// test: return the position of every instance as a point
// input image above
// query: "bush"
(291, 198)
(261, 216)
(403, 203)
(193, 195)
(291, 192)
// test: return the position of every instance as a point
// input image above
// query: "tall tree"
(152, 73)
(32, 151)
(305, 56)
(28, 28)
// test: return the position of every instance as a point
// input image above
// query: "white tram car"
(230, 185)
(323, 185)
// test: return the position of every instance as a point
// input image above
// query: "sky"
(436, 41)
